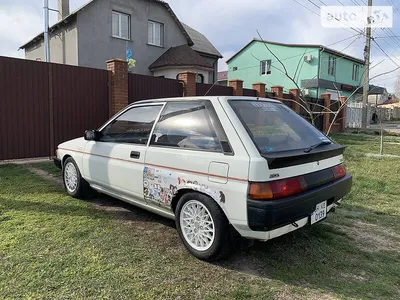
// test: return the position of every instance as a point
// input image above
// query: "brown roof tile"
(180, 56)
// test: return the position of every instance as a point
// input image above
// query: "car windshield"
(274, 127)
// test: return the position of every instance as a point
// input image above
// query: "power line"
(396, 10)
(358, 31)
(317, 14)
(384, 52)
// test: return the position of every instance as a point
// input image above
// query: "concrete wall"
(96, 45)
(248, 65)
(173, 72)
(344, 70)
(63, 46)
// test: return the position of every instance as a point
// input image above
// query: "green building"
(315, 68)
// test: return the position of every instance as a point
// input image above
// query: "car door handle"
(135, 154)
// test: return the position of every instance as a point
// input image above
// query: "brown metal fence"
(142, 87)
(24, 109)
(42, 105)
(249, 92)
(203, 89)
(80, 100)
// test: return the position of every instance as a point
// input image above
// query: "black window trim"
(215, 124)
(129, 107)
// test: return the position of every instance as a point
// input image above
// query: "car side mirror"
(92, 135)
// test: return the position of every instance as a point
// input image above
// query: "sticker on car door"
(161, 185)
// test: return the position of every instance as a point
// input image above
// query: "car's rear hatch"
(299, 167)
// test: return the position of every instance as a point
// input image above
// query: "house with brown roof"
(101, 29)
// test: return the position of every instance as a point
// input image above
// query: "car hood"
(77, 144)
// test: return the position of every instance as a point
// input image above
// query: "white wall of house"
(173, 72)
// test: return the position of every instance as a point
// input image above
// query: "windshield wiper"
(316, 146)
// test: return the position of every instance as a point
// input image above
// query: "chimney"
(63, 9)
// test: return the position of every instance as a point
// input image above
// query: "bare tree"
(303, 100)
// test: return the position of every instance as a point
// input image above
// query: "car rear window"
(274, 127)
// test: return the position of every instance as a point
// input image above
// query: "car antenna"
(210, 88)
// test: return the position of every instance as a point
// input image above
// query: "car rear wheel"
(74, 184)
(203, 227)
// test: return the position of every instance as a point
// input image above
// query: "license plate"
(319, 213)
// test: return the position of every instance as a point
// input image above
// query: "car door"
(115, 161)
(186, 151)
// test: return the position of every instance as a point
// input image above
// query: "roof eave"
(57, 25)
(338, 53)
(210, 54)
(173, 15)
(180, 66)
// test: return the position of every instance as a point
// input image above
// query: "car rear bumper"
(57, 162)
(272, 214)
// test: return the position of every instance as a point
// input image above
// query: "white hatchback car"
(213, 164)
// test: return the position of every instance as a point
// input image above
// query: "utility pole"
(367, 53)
(46, 29)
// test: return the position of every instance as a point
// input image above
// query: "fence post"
(342, 113)
(327, 106)
(119, 84)
(237, 86)
(260, 89)
(189, 86)
(296, 100)
(278, 90)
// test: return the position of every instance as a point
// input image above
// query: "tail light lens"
(277, 189)
(339, 171)
(286, 187)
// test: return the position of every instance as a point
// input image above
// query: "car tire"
(203, 227)
(74, 184)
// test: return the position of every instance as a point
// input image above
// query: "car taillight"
(277, 189)
(339, 171)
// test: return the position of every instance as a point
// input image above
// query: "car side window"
(133, 126)
(186, 125)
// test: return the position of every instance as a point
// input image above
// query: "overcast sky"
(229, 25)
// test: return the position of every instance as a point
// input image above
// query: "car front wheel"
(74, 184)
(203, 227)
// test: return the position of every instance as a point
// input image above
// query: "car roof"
(211, 98)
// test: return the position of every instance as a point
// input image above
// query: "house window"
(331, 65)
(356, 68)
(155, 33)
(199, 78)
(121, 25)
(265, 67)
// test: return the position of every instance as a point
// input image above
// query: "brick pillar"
(260, 89)
(278, 90)
(296, 100)
(237, 85)
(342, 114)
(189, 79)
(327, 105)
(119, 84)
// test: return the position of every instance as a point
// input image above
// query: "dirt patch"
(371, 237)
(121, 211)
(43, 174)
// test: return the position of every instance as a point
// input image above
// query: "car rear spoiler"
(290, 158)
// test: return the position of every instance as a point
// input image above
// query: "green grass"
(54, 246)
